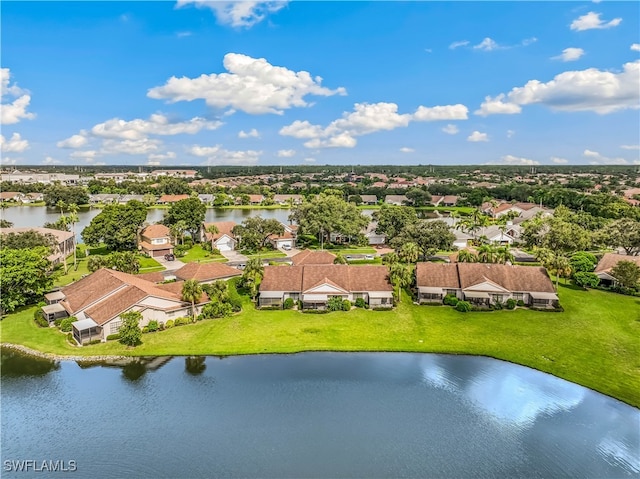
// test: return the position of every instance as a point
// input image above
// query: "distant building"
(66, 241)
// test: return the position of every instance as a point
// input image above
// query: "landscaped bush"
(520, 303)
(145, 329)
(111, 337)
(315, 311)
(463, 306)
(450, 300)
(586, 280)
(152, 326)
(234, 298)
(360, 303)
(182, 320)
(510, 304)
(168, 324)
(346, 305)
(80, 253)
(270, 308)
(288, 303)
(497, 306)
(65, 325)
(39, 319)
(58, 322)
(334, 303)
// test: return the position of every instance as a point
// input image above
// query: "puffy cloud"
(286, 153)
(598, 159)
(405, 149)
(16, 110)
(365, 119)
(559, 161)
(309, 160)
(50, 161)
(569, 54)
(515, 160)
(253, 133)
(158, 157)
(477, 136)
(510, 133)
(592, 21)
(216, 155)
(451, 129)
(455, 45)
(5, 160)
(243, 13)
(635, 47)
(156, 125)
(75, 141)
(252, 85)
(142, 146)
(630, 147)
(496, 106)
(15, 144)
(583, 90)
(84, 154)
(487, 45)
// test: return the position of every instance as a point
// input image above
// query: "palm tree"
(504, 255)
(252, 275)
(486, 253)
(554, 261)
(212, 230)
(409, 252)
(400, 276)
(73, 219)
(191, 292)
(340, 259)
(466, 256)
(390, 258)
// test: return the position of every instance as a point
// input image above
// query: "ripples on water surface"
(313, 415)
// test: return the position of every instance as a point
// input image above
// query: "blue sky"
(197, 83)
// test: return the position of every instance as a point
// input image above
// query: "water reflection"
(195, 365)
(16, 364)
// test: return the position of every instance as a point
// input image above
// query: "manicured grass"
(268, 254)
(355, 250)
(72, 273)
(147, 263)
(200, 255)
(595, 342)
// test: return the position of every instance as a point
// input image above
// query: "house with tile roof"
(155, 241)
(608, 262)
(484, 284)
(224, 239)
(315, 284)
(285, 240)
(206, 272)
(309, 256)
(169, 199)
(99, 299)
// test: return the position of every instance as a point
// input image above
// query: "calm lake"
(333, 415)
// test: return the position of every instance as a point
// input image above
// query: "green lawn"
(595, 342)
(72, 273)
(268, 254)
(355, 250)
(200, 255)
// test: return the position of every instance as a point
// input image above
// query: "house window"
(452, 292)
(518, 296)
(383, 301)
(358, 296)
(115, 327)
(497, 298)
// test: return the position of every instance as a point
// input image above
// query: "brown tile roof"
(156, 231)
(452, 199)
(303, 278)
(282, 278)
(609, 260)
(154, 247)
(90, 289)
(526, 206)
(206, 271)
(116, 304)
(313, 257)
(172, 198)
(224, 228)
(465, 275)
(176, 288)
(155, 277)
(8, 195)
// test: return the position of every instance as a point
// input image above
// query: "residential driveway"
(170, 265)
(291, 252)
(234, 256)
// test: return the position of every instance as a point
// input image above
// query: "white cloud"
(515, 160)
(237, 13)
(477, 136)
(301, 129)
(158, 157)
(559, 161)
(455, 45)
(496, 106)
(510, 133)
(630, 147)
(84, 154)
(157, 124)
(451, 129)
(75, 141)
(286, 153)
(635, 47)
(439, 113)
(15, 144)
(528, 41)
(598, 159)
(405, 149)
(592, 21)
(253, 133)
(583, 90)
(569, 54)
(13, 112)
(487, 45)
(340, 140)
(142, 146)
(309, 160)
(50, 161)
(252, 85)
(216, 155)
(5, 160)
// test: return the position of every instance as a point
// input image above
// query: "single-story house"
(313, 257)
(103, 198)
(369, 199)
(462, 239)
(314, 284)
(168, 199)
(98, 300)
(286, 239)
(287, 199)
(436, 200)
(485, 283)
(224, 239)
(206, 272)
(155, 241)
(373, 237)
(495, 235)
(124, 199)
(450, 200)
(65, 241)
(397, 200)
(13, 196)
(33, 197)
(609, 261)
(206, 198)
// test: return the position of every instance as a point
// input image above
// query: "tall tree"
(254, 232)
(627, 273)
(252, 276)
(393, 219)
(212, 230)
(72, 219)
(400, 276)
(429, 236)
(466, 256)
(409, 252)
(116, 226)
(418, 197)
(26, 275)
(554, 261)
(624, 233)
(130, 332)
(191, 210)
(191, 292)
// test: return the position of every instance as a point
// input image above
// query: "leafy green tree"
(583, 262)
(627, 273)
(117, 226)
(355, 199)
(429, 236)
(95, 262)
(393, 219)
(390, 258)
(26, 275)
(252, 276)
(554, 261)
(340, 259)
(125, 261)
(586, 279)
(503, 255)
(191, 211)
(418, 197)
(28, 239)
(130, 332)
(409, 252)
(149, 199)
(400, 276)
(466, 256)
(174, 186)
(624, 233)
(191, 292)
(67, 194)
(255, 231)
(218, 291)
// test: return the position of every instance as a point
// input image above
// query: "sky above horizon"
(194, 82)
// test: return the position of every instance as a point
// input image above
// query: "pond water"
(312, 415)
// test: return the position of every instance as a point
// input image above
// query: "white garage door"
(225, 244)
(285, 243)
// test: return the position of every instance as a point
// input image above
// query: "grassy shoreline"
(594, 343)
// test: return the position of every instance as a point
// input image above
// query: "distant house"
(155, 241)
(313, 257)
(98, 300)
(224, 239)
(287, 199)
(396, 200)
(65, 241)
(436, 200)
(103, 198)
(497, 236)
(206, 272)
(607, 263)
(33, 198)
(450, 200)
(174, 173)
(374, 238)
(206, 199)
(10, 196)
(369, 199)
(314, 285)
(169, 199)
(484, 283)
(287, 239)
(298, 185)
(124, 199)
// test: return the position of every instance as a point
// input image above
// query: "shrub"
(450, 300)
(168, 324)
(215, 251)
(300, 304)
(360, 303)
(288, 303)
(497, 306)
(39, 319)
(520, 303)
(113, 336)
(65, 325)
(182, 320)
(234, 298)
(585, 279)
(315, 311)
(463, 306)
(58, 322)
(145, 329)
(334, 303)
(346, 305)
(152, 327)
(80, 253)
(510, 304)
(215, 310)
